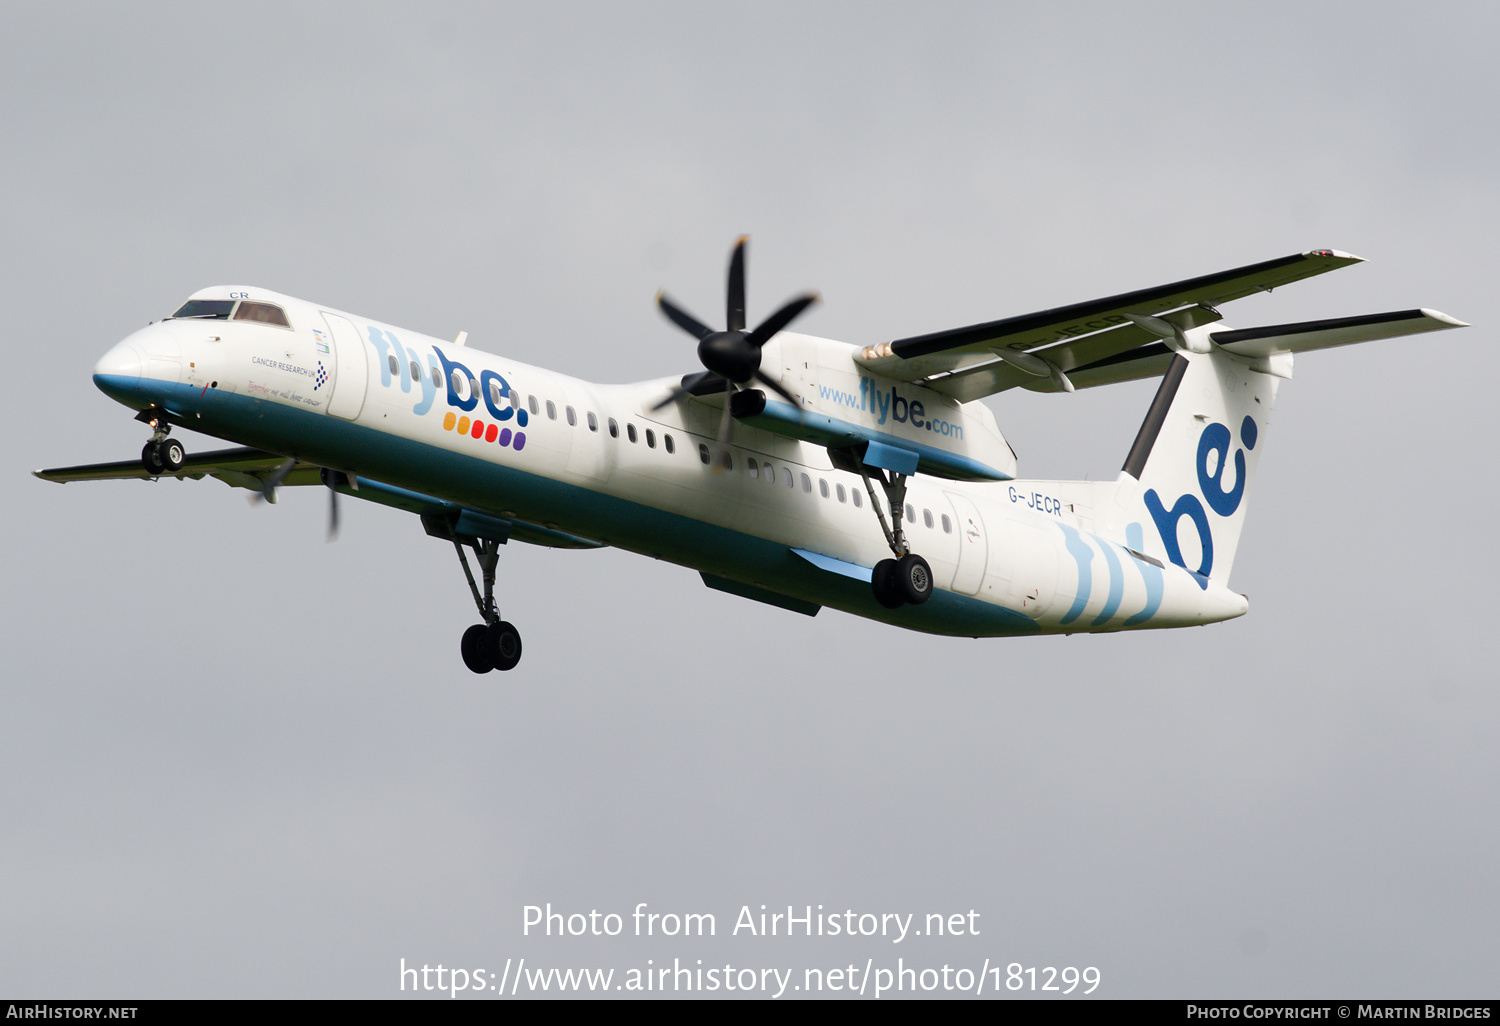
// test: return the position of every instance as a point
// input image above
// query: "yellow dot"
(448, 421)
(463, 425)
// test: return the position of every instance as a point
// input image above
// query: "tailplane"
(1183, 490)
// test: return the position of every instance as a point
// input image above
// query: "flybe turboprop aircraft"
(791, 470)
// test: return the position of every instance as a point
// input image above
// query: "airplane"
(791, 470)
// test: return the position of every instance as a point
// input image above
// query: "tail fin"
(1183, 489)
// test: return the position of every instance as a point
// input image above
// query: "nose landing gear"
(162, 455)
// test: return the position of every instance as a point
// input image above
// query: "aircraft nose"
(121, 366)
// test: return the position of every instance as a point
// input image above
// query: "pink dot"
(489, 433)
(520, 441)
(505, 436)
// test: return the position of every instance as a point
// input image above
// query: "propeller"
(330, 478)
(732, 355)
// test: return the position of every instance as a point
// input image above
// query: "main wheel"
(503, 644)
(915, 578)
(475, 652)
(172, 455)
(151, 458)
(887, 589)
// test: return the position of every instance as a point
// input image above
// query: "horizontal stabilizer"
(1340, 331)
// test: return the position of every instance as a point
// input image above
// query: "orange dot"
(490, 433)
(463, 425)
(449, 421)
(478, 431)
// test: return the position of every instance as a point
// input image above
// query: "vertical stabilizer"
(1185, 483)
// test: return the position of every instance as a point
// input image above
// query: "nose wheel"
(163, 455)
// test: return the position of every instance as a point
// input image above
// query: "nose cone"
(121, 366)
(142, 369)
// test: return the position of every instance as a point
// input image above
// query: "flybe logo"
(463, 391)
(1211, 462)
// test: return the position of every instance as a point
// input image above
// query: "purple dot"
(505, 436)
(520, 441)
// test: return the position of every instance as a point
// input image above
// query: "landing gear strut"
(162, 455)
(906, 577)
(494, 644)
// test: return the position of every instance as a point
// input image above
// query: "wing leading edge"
(1030, 349)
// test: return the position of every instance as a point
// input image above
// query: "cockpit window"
(206, 309)
(263, 312)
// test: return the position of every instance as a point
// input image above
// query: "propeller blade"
(734, 299)
(680, 317)
(686, 388)
(777, 387)
(780, 319)
(268, 489)
(726, 422)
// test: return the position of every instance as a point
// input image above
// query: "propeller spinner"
(733, 355)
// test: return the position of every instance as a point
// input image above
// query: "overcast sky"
(239, 761)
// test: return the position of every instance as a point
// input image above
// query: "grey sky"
(241, 762)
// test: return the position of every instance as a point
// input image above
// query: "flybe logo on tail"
(1211, 462)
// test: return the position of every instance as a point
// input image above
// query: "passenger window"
(416, 371)
(703, 453)
(770, 474)
(437, 377)
(728, 460)
(630, 431)
(859, 502)
(911, 514)
(927, 518)
(614, 428)
(265, 313)
(752, 468)
(460, 386)
(535, 406)
(572, 418)
(551, 410)
(650, 439)
(791, 482)
(667, 441)
(823, 487)
(593, 422)
(947, 525)
(807, 484)
(395, 367)
(495, 392)
(841, 493)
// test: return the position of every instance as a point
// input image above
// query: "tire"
(915, 578)
(151, 459)
(475, 652)
(172, 455)
(502, 643)
(887, 589)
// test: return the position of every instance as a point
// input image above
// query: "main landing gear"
(494, 644)
(162, 455)
(905, 578)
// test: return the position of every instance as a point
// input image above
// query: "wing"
(1097, 336)
(241, 467)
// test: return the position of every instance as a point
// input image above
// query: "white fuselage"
(598, 463)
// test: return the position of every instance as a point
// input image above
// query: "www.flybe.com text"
(888, 404)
